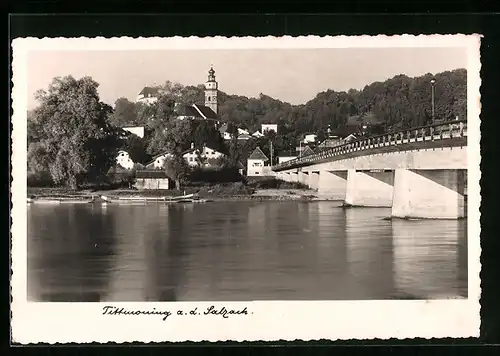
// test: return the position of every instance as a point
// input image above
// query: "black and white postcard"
(245, 189)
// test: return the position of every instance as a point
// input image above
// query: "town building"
(310, 138)
(152, 179)
(304, 151)
(241, 168)
(329, 143)
(282, 159)
(207, 155)
(269, 127)
(195, 112)
(257, 134)
(158, 161)
(192, 156)
(334, 141)
(241, 133)
(136, 130)
(349, 138)
(123, 160)
(258, 164)
(149, 95)
(212, 91)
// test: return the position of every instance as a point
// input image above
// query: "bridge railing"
(434, 132)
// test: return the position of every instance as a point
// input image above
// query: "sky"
(291, 75)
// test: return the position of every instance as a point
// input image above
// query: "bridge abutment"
(369, 188)
(429, 194)
(332, 184)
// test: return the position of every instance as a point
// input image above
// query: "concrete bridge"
(419, 173)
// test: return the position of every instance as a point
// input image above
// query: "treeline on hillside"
(397, 102)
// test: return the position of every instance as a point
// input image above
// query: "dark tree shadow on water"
(71, 250)
(164, 256)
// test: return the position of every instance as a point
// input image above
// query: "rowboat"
(194, 201)
(144, 200)
(48, 200)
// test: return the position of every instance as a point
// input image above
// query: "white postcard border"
(267, 321)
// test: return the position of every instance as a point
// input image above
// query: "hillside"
(399, 101)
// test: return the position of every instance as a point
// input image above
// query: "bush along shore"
(259, 190)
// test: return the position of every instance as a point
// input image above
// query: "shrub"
(273, 183)
(41, 179)
(215, 175)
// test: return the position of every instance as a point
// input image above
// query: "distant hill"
(399, 101)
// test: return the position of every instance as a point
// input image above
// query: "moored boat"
(144, 200)
(61, 200)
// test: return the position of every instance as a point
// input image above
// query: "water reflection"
(240, 251)
(71, 256)
(369, 253)
(430, 258)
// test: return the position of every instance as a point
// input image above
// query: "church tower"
(211, 91)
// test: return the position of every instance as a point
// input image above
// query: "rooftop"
(150, 91)
(195, 110)
(150, 174)
(307, 151)
(258, 154)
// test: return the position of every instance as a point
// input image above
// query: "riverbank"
(213, 194)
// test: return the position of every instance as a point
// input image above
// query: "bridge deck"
(450, 134)
(393, 147)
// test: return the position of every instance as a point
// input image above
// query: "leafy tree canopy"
(69, 134)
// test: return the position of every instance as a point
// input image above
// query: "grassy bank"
(269, 189)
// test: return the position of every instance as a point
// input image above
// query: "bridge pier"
(304, 177)
(430, 194)
(314, 180)
(294, 177)
(369, 188)
(332, 184)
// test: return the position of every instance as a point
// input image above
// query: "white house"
(258, 164)
(191, 157)
(136, 130)
(241, 135)
(269, 127)
(158, 161)
(310, 138)
(282, 159)
(242, 132)
(207, 154)
(124, 161)
(149, 95)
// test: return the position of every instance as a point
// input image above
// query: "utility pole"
(271, 142)
(433, 82)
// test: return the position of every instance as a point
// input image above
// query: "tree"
(75, 141)
(125, 113)
(177, 169)
(136, 149)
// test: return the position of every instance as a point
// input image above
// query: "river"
(234, 251)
